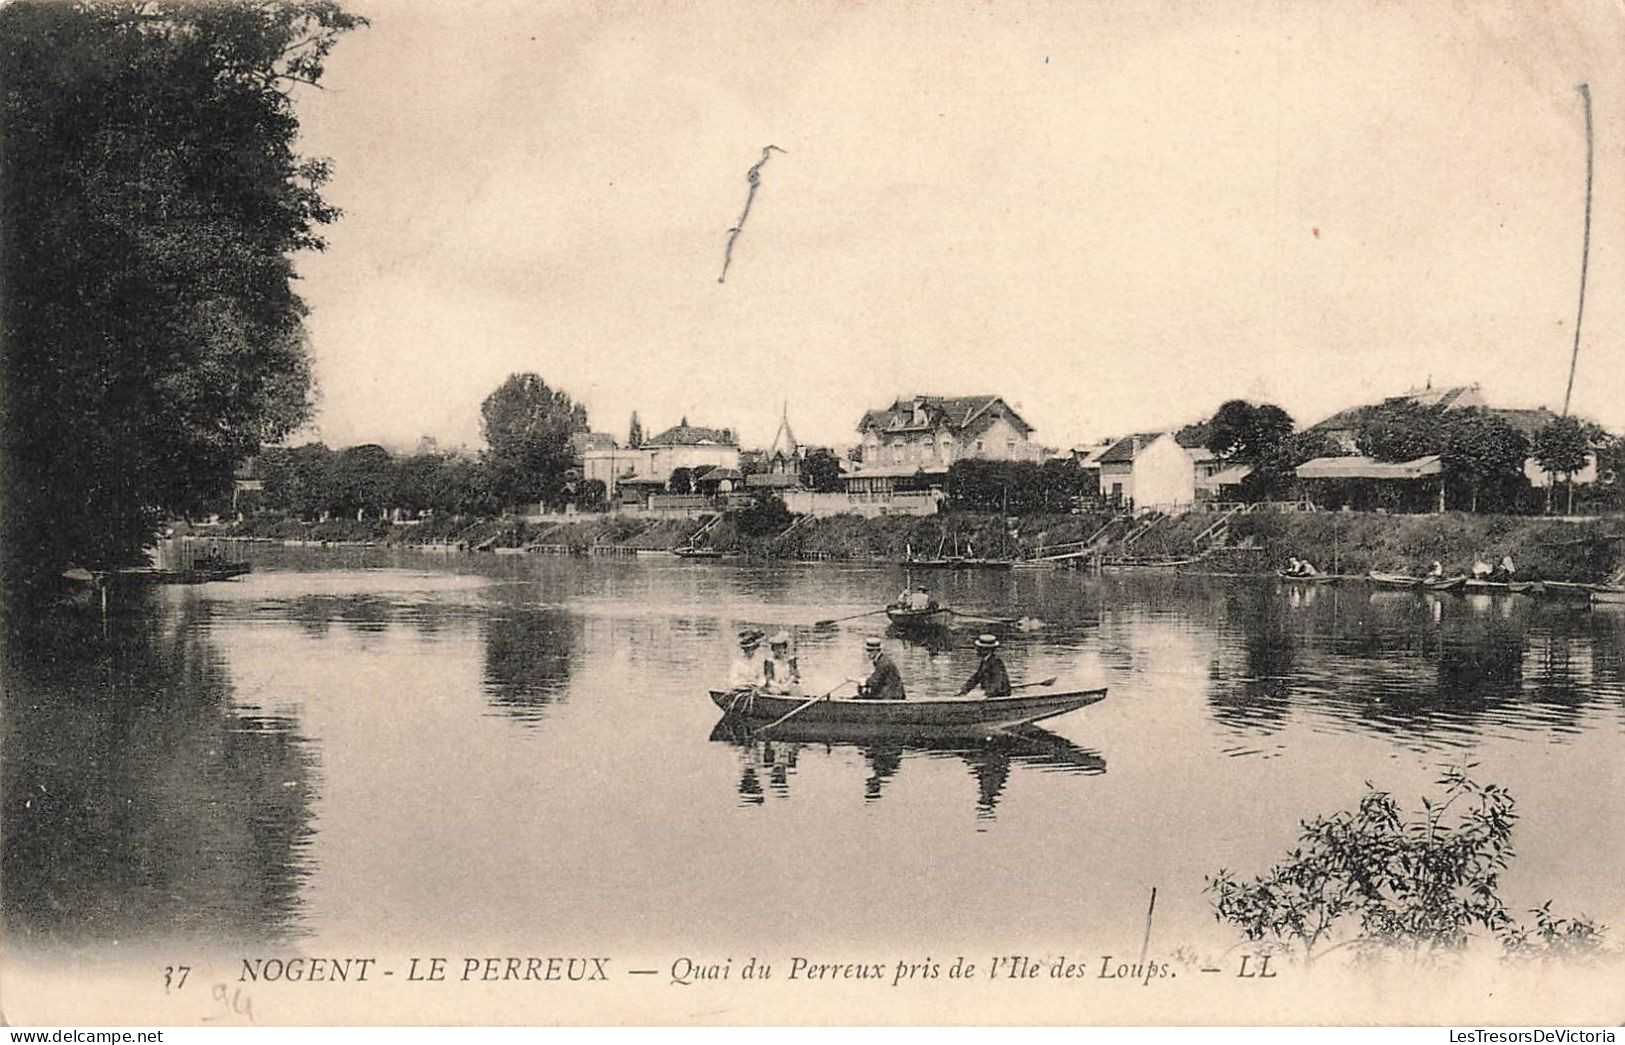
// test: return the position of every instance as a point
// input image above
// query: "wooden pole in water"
(1145, 947)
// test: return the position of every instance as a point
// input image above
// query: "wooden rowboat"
(1306, 578)
(1394, 580)
(903, 617)
(1445, 584)
(956, 716)
(697, 553)
(1610, 594)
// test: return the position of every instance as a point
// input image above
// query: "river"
(365, 747)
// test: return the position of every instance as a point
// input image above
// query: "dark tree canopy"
(1243, 431)
(821, 471)
(153, 200)
(527, 427)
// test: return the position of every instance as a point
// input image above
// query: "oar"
(1006, 621)
(855, 616)
(803, 707)
(1042, 682)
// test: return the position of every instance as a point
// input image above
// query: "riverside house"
(1152, 471)
(909, 445)
(632, 474)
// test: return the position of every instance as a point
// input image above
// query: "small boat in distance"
(957, 716)
(697, 553)
(931, 617)
(1395, 580)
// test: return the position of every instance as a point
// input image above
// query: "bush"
(1384, 881)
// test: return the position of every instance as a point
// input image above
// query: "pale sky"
(1106, 213)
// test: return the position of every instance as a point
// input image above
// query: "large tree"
(152, 201)
(1481, 453)
(527, 427)
(1564, 446)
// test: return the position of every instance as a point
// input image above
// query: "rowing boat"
(1306, 578)
(1445, 583)
(951, 716)
(903, 617)
(1394, 580)
(697, 553)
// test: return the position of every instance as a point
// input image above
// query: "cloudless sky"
(1115, 215)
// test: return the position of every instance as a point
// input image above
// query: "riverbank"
(1341, 542)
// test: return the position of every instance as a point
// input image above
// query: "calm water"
(367, 747)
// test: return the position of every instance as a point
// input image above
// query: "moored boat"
(1445, 583)
(697, 553)
(951, 716)
(1394, 580)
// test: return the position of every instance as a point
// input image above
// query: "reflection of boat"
(1445, 584)
(944, 717)
(1394, 580)
(906, 619)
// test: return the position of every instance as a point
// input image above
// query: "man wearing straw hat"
(883, 683)
(990, 677)
(783, 674)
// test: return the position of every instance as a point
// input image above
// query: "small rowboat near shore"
(946, 717)
(1308, 578)
(697, 553)
(1394, 580)
(903, 617)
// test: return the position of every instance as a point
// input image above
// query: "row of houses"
(904, 454)
(905, 450)
(1157, 471)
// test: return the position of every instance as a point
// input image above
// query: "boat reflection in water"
(769, 762)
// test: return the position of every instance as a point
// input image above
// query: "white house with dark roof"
(1150, 471)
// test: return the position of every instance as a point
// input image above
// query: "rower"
(749, 668)
(1437, 572)
(921, 600)
(883, 683)
(990, 676)
(783, 674)
(1307, 569)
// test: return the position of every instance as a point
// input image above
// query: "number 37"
(175, 976)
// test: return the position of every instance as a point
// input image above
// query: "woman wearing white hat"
(783, 674)
(750, 668)
(990, 677)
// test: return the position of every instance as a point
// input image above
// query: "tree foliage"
(1382, 880)
(1017, 487)
(1481, 453)
(821, 471)
(153, 199)
(1243, 431)
(527, 428)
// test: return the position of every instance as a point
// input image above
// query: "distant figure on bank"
(883, 683)
(990, 676)
(921, 599)
(749, 668)
(783, 674)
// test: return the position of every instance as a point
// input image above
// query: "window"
(978, 444)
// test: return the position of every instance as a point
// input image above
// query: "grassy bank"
(1344, 542)
(1355, 542)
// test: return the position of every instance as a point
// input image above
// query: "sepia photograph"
(973, 513)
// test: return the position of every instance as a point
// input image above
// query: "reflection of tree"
(316, 613)
(989, 759)
(527, 659)
(1260, 695)
(138, 800)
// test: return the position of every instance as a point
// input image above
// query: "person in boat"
(1504, 570)
(920, 600)
(990, 676)
(883, 683)
(1436, 572)
(1307, 569)
(1482, 570)
(750, 667)
(1294, 567)
(782, 673)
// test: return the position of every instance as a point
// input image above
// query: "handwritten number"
(175, 976)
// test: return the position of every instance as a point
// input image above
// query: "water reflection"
(139, 796)
(988, 759)
(527, 660)
(1428, 669)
